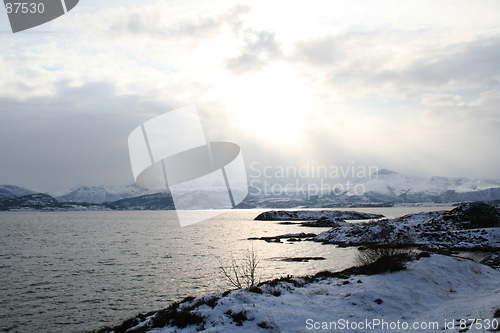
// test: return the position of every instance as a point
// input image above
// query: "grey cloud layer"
(261, 47)
(372, 60)
(68, 102)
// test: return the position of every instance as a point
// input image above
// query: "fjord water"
(79, 271)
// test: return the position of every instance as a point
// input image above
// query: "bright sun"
(270, 104)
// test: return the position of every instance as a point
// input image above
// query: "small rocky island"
(308, 215)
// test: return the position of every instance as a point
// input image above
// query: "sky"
(410, 86)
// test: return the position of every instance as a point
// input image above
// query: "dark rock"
(473, 215)
(493, 260)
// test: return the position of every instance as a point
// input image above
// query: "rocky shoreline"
(392, 281)
(471, 226)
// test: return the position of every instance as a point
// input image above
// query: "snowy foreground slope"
(431, 294)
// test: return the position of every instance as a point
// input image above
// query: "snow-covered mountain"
(383, 187)
(388, 185)
(101, 193)
(157, 201)
(11, 191)
(392, 183)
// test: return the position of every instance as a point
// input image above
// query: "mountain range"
(384, 188)
(101, 193)
(387, 186)
(11, 191)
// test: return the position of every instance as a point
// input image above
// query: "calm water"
(79, 271)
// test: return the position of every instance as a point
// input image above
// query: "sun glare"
(270, 104)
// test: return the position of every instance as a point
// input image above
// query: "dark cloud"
(261, 47)
(79, 136)
(95, 91)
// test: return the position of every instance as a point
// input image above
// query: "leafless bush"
(242, 273)
(370, 255)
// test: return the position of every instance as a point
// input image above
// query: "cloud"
(441, 100)
(425, 100)
(404, 63)
(448, 137)
(77, 136)
(152, 25)
(465, 66)
(444, 110)
(155, 22)
(322, 51)
(261, 47)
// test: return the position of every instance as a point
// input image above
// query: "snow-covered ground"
(433, 293)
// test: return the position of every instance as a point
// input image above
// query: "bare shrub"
(242, 273)
(367, 256)
(383, 259)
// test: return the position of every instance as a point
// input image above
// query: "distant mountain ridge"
(11, 191)
(388, 185)
(383, 188)
(157, 201)
(46, 202)
(99, 194)
(390, 182)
